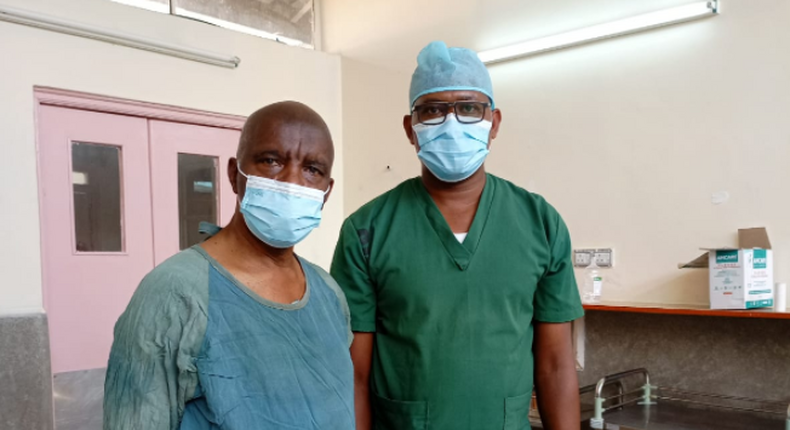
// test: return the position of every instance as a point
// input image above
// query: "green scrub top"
(454, 321)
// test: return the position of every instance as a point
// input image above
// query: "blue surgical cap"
(440, 68)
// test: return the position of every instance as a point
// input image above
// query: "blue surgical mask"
(280, 214)
(453, 151)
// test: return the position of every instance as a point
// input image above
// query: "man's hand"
(362, 356)
(555, 377)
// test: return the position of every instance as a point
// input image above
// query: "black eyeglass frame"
(449, 105)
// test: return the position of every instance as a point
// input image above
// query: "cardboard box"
(743, 277)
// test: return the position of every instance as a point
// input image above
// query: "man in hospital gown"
(240, 333)
(460, 283)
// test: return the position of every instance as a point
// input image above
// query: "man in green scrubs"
(460, 283)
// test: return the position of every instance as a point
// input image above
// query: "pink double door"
(119, 194)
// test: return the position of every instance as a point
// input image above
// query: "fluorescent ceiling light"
(37, 20)
(603, 31)
(146, 4)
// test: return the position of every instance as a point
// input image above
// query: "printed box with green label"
(740, 278)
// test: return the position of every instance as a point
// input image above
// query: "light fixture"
(34, 19)
(152, 5)
(634, 24)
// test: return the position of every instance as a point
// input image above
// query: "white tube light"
(46, 22)
(634, 24)
(153, 6)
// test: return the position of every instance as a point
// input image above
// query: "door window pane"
(96, 185)
(197, 196)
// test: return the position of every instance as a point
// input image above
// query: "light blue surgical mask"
(280, 214)
(453, 151)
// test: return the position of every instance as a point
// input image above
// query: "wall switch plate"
(604, 257)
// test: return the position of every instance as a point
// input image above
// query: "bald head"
(268, 120)
(287, 142)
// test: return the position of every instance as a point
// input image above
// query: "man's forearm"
(362, 356)
(555, 377)
(362, 406)
(558, 399)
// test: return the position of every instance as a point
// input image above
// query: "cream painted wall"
(269, 72)
(628, 138)
(390, 33)
(374, 102)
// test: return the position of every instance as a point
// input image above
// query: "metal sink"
(617, 405)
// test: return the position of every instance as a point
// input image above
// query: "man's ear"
(495, 121)
(328, 193)
(409, 130)
(233, 174)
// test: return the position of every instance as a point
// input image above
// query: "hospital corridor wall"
(629, 138)
(654, 144)
(269, 72)
(632, 139)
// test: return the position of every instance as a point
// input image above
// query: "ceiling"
(390, 33)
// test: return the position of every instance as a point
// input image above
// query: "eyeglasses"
(435, 113)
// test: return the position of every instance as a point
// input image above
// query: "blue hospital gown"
(197, 350)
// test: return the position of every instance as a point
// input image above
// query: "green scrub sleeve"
(350, 270)
(151, 373)
(557, 297)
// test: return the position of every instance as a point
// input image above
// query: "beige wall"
(629, 138)
(374, 102)
(269, 72)
(389, 33)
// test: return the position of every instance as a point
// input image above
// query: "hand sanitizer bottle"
(593, 283)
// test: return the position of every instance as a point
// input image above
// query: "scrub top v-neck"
(454, 320)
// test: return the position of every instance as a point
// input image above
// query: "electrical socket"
(604, 257)
(582, 257)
